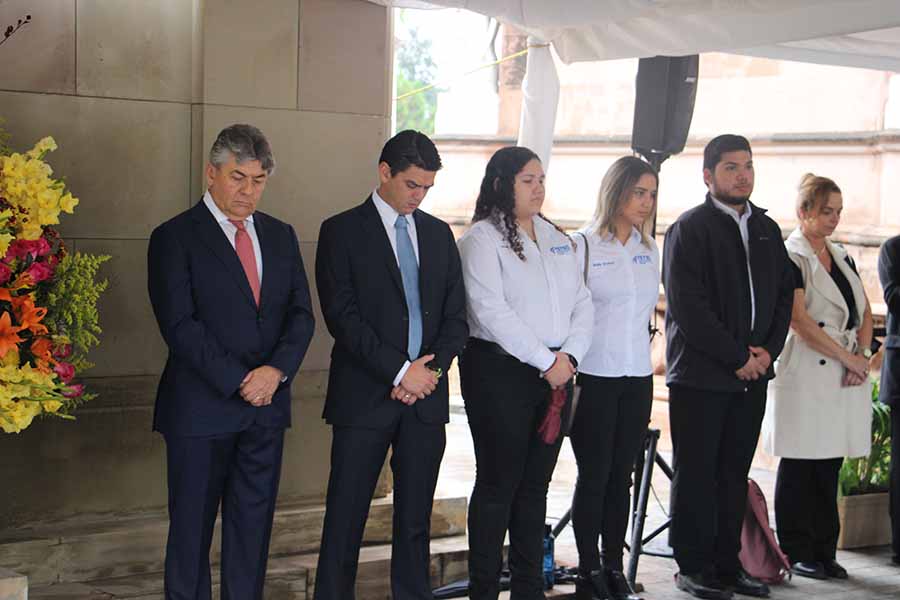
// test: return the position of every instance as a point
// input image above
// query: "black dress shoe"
(618, 586)
(896, 559)
(742, 583)
(811, 569)
(591, 586)
(835, 570)
(701, 586)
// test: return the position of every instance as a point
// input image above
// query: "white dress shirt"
(526, 306)
(741, 220)
(624, 285)
(388, 218)
(230, 230)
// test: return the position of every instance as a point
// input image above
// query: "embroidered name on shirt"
(566, 249)
(605, 263)
(641, 259)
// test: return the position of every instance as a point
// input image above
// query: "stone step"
(13, 586)
(287, 578)
(117, 547)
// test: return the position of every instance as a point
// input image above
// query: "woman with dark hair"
(819, 406)
(621, 267)
(530, 319)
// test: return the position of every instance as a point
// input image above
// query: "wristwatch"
(866, 352)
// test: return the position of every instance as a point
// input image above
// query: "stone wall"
(134, 91)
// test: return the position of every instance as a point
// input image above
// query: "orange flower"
(42, 348)
(9, 334)
(28, 315)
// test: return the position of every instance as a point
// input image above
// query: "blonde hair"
(813, 192)
(615, 191)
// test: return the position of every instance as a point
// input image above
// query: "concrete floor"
(872, 575)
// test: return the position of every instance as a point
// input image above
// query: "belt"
(492, 347)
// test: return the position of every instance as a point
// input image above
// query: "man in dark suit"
(729, 292)
(232, 302)
(392, 295)
(889, 393)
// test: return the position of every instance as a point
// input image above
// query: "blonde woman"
(819, 407)
(622, 266)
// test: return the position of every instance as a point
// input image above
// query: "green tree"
(414, 68)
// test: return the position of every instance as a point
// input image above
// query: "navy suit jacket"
(210, 322)
(889, 274)
(361, 293)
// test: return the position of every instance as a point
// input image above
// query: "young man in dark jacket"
(729, 290)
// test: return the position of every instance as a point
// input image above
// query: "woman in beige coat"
(819, 405)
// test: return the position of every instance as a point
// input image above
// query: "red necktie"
(243, 245)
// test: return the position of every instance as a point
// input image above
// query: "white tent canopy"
(856, 33)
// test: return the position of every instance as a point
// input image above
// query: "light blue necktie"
(409, 271)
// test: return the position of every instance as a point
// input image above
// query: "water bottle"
(548, 557)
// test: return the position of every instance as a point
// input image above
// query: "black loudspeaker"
(664, 105)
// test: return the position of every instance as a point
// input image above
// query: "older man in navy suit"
(232, 302)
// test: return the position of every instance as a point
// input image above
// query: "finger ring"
(406, 396)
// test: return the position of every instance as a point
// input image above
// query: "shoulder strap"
(587, 255)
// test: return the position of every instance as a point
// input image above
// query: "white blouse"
(529, 306)
(624, 285)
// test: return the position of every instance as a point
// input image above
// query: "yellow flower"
(68, 203)
(11, 358)
(5, 240)
(51, 406)
(48, 144)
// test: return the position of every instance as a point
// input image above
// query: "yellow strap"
(425, 88)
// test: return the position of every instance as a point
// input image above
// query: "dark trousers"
(806, 514)
(505, 402)
(895, 478)
(242, 471)
(714, 436)
(357, 456)
(607, 433)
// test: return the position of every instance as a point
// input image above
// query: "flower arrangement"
(48, 297)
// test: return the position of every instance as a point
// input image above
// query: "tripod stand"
(643, 476)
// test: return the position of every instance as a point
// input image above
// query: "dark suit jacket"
(215, 334)
(362, 299)
(889, 274)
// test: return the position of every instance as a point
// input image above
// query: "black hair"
(410, 148)
(496, 198)
(721, 144)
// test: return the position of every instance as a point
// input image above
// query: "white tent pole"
(540, 96)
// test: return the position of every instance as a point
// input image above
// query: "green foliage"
(870, 474)
(5, 150)
(415, 69)
(72, 303)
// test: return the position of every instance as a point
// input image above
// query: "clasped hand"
(857, 370)
(260, 384)
(418, 382)
(560, 372)
(756, 366)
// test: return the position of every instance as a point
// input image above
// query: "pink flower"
(65, 371)
(62, 351)
(22, 248)
(75, 390)
(40, 272)
(43, 246)
(5, 273)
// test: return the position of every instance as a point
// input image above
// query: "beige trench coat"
(808, 413)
